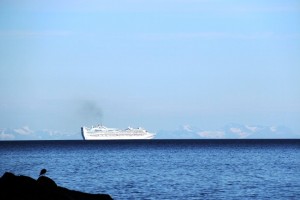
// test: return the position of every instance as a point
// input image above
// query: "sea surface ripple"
(163, 169)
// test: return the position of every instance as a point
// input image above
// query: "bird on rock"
(43, 172)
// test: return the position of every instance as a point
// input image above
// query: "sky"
(157, 64)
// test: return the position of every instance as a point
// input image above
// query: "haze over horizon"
(155, 64)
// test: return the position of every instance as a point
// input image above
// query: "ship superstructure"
(101, 132)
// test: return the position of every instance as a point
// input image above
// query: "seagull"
(43, 172)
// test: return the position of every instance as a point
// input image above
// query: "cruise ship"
(101, 132)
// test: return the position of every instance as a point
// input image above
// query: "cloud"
(55, 134)
(187, 128)
(273, 129)
(252, 128)
(230, 131)
(24, 131)
(239, 132)
(212, 134)
(52, 133)
(5, 136)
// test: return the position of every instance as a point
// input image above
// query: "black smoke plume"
(90, 112)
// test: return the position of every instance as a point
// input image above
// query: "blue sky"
(156, 64)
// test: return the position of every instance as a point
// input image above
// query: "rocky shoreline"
(26, 188)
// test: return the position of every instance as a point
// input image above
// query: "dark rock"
(46, 182)
(26, 188)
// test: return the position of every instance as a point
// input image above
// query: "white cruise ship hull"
(114, 134)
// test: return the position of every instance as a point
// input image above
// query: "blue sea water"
(163, 169)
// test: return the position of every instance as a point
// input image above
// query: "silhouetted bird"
(43, 172)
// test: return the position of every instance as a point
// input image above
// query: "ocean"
(163, 169)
